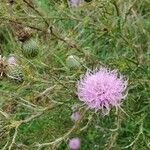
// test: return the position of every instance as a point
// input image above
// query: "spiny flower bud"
(75, 116)
(30, 48)
(72, 61)
(11, 60)
(75, 3)
(14, 72)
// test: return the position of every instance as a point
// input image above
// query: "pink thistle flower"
(75, 3)
(12, 60)
(74, 143)
(102, 89)
(75, 116)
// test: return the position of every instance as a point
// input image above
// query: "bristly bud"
(72, 61)
(30, 48)
(75, 3)
(14, 72)
(75, 116)
(11, 60)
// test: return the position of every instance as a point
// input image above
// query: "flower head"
(102, 89)
(12, 60)
(75, 116)
(74, 143)
(75, 3)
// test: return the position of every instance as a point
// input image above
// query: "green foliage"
(113, 33)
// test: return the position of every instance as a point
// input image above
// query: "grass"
(112, 33)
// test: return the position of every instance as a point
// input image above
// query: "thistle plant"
(61, 103)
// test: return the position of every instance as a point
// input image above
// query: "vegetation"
(35, 111)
